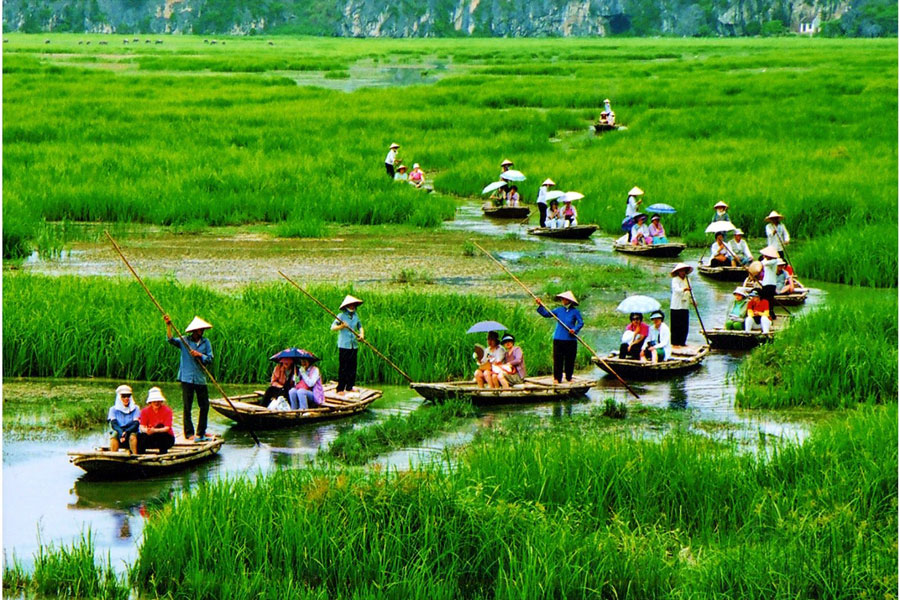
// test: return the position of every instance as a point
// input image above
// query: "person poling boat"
(542, 201)
(156, 424)
(777, 235)
(194, 348)
(678, 303)
(124, 420)
(345, 324)
(768, 257)
(565, 344)
(737, 314)
(607, 116)
(632, 208)
(721, 213)
(657, 346)
(391, 159)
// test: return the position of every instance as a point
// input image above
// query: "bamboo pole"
(577, 337)
(354, 332)
(180, 336)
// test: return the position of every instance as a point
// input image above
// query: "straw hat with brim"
(567, 295)
(123, 389)
(738, 232)
(636, 191)
(780, 263)
(754, 268)
(155, 394)
(548, 181)
(773, 215)
(681, 267)
(415, 165)
(606, 99)
(740, 291)
(401, 168)
(657, 315)
(350, 301)
(394, 146)
(197, 324)
(507, 163)
(769, 252)
(720, 205)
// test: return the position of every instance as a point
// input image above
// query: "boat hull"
(506, 212)
(656, 250)
(721, 339)
(122, 465)
(244, 410)
(578, 232)
(795, 299)
(723, 273)
(535, 389)
(681, 362)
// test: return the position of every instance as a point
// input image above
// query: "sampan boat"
(505, 212)
(576, 232)
(723, 273)
(124, 465)
(725, 339)
(670, 250)
(535, 389)
(796, 298)
(248, 411)
(683, 360)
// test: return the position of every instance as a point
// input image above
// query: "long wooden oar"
(353, 331)
(697, 310)
(180, 336)
(577, 337)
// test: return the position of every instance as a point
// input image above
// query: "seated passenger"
(156, 424)
(124, 419)
(499, 195)
(657, 346)
(741, 251)
(738, 312)
(282, 381)
(657, 231)
(512, 372)
(401, 174)
(512, 199)
(784, 282)
(308, 392)
(719, 252)
(553, 216)
(757, 313)
(633, 338)
(494, 354)
(417, 177)
(569, 214)
(640, 233)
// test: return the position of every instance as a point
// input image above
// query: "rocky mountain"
(455, 18)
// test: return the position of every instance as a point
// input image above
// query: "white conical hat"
(548, 181)
(349, 300)
(507, 162)
(155, 394)
(197, 324)
(681, 267)
(568, 295)
(394, 146)
(720, 205)
(774, 215)
(738, 232)
(769, 252)
(636, 191)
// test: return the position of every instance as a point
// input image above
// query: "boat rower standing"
(565, 344)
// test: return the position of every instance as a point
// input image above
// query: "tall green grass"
(866, 257)
(100, 327)
(838, 356)
(570, 510)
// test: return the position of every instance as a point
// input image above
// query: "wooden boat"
(682, 361)
(535, 389)
(796, 298)
(724, 339)
(577, 232)
(505, 212)
(723, 273)
(248, 410)
(603, 127)
(670, 250)
(124, 465)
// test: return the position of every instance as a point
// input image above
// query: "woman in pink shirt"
(634, 337)
(308, 390)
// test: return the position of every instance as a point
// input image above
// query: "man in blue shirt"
(565, 344)
(194, 349)
(348, 348)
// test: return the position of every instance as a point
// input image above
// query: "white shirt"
(772, 236)
(542, 195)
(769, 268)
(680, 295)
(715, 250)
(662, 338)
(740, 248)
(631, 209)
(389, 159)
(494, 356)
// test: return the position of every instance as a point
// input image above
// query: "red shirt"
(644, 328)
(151, 416)
(758, 305)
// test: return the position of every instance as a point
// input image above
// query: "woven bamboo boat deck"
(683, 360)
(535, 389)
(657, 250)
(577, 232)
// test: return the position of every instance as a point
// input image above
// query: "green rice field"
(769, 473)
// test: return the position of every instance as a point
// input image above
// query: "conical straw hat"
(769, 252)
(350, 300)
(636, 191)
(197, 324)
(394, 146)
(681, 267)
(720, 205)
(774, 215)
(548, 181)
(506, 163)
(568, 295)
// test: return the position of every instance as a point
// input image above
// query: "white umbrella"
(720, 227)
(554, 195)
(571, 196)
(493, 186)
(512, 175)
(638, 304)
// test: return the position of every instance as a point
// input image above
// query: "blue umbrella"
(663, 209)
(294, 353)
(483, 326)
(637, 304)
